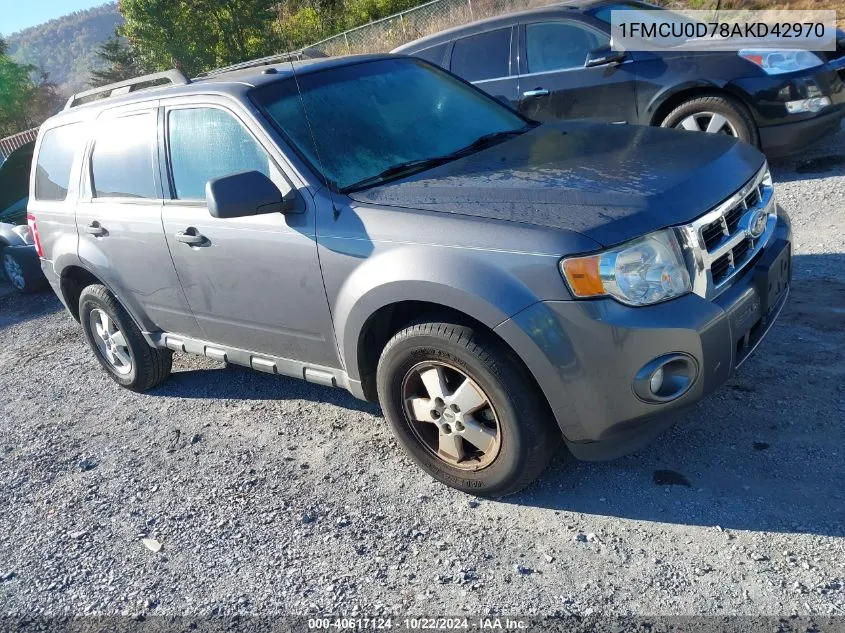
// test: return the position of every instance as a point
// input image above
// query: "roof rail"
(305, 53)
(175, 77)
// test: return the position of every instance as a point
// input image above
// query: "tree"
(43, 100)
(198, 35)
(27, 96)
(15, 86)
(357, 12)
(121, 62)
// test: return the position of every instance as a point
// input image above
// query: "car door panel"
(121, 239)
(555, 84)
(253, 283)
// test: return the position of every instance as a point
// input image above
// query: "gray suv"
(376, 223)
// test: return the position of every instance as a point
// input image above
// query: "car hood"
(609, 182)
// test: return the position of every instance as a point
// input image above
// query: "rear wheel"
(118, 344)
(462, 407)
(714, 114)
(22, 269)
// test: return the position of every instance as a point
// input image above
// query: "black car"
(556, 63)
(18, 259)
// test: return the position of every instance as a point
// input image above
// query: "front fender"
(660, 98)
(477, 283)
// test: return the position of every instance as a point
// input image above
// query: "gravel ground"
(273, 496)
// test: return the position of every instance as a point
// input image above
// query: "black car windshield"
(380, 120)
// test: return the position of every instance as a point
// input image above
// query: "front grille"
(720, 268)
(741, 250)
(716, 232)
(712, 234)
(733, 217)
(721, 244)
(733, 259)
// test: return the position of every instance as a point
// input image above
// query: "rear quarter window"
(55, 160)
(434, 54)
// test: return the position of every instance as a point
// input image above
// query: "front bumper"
(790, 138)
(585, 355)
(782, 133)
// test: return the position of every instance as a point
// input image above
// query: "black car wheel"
(714, 114)
(22, 268)
(118, 344)
(462, 407)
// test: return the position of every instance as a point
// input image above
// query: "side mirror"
(604, 56)
(247, 193)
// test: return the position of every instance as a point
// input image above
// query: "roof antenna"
(335, 208)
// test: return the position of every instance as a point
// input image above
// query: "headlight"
(648, 270)
(780, 62)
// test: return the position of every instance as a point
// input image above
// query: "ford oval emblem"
(757, 223)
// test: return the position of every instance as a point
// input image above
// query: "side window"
(122, 161)
(483, 56)
(560, 45)
(55, 158)
(433, 54)
(208, 143)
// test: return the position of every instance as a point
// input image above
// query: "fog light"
(656, 381)
(666, 378)
(816, 104)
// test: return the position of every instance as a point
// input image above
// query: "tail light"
(33, 228)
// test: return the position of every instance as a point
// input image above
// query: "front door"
(253, 283)
(555, 84)
(119, 221)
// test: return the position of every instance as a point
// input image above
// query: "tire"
(22, 268)
(738, 117)
(526, 436)
(146, 367)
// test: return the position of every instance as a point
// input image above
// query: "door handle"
(191, 237)
(537, 92)
(96, 229)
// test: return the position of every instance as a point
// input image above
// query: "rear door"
(253, 283)
(487, 60)
(119, 220)
(555, 83)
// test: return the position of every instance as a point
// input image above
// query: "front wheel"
(118, 344)
(714, 114)
(462, 407)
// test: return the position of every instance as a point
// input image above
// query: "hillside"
(65, 47)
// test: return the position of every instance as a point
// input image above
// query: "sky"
(16, 15)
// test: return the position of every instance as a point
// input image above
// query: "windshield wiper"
(421, 164)
(400, 169)
(486, 140)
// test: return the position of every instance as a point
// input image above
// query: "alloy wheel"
(709, 122)
(451, 416)
(14, 272)
(110, 341)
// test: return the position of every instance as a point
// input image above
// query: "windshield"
(381, 120)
